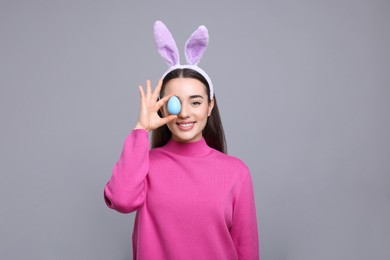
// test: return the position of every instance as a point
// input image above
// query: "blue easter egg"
(174, 105)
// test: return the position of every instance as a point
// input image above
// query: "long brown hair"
(213, 132)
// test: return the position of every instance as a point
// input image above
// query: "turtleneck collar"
(196, 149)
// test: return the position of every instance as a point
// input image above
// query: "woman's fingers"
(148, 89)
(163, 100)
(150, 105)
(168, 119)
(141, 92)
(157, 90)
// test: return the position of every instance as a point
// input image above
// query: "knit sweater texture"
(192, 201)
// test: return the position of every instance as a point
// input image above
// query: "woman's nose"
(184, 111)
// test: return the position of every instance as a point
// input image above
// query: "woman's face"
(195, 109)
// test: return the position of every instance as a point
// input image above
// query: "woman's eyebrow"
(196, 96)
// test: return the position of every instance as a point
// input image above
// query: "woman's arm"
(244, 230)
(125, 192)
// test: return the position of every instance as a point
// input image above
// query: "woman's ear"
(211, 106)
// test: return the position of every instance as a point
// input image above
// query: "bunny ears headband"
(194, 48)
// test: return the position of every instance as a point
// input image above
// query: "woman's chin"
(186, 137)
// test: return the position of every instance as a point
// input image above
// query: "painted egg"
(174, 105)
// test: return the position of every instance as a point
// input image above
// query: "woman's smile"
(185, 126)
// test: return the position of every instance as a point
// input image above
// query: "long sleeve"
(244, 230)
(125, 191)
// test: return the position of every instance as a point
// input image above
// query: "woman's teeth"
(185, 125)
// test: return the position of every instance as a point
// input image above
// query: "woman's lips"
(185, 126)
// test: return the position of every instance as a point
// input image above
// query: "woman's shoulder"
(229, 160)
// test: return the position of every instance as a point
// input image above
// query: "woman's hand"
(149, 106)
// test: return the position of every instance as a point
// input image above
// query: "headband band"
(194, 49)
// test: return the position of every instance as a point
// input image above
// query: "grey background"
(303, 88)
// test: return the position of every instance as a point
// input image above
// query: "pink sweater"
(192, 202)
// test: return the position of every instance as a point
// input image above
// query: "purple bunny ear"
(165, 43)
(196, 45)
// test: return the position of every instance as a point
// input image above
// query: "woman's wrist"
(139, 126)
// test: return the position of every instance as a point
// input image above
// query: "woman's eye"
(196, 103)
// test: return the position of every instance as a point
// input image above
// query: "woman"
(193, 201)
